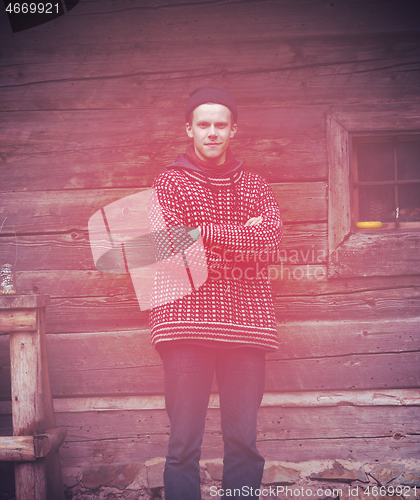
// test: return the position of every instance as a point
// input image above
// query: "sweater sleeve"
(265, 236)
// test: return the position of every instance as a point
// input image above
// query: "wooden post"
(32, 405)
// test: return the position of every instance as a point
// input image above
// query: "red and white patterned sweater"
(235, 303)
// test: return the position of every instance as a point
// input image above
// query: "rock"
(411, 478)
(215, 469)
(140, 482)
(277, 474)
(155, 474)
(341, 474)
(113, 476)
(385, 473)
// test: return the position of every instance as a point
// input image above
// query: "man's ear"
(188, 128)
(233, 130)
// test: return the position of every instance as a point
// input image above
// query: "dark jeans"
(240, 374)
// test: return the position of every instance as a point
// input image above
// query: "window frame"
(381, 138)
(394, 251)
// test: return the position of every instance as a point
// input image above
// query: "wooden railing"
(34, 446)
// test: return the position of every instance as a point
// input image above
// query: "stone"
(385, 473)
(341, 474)
(411, 478)
(155, 474)
(277, 474)
(140, 482)
(215, 469)
(113, 476)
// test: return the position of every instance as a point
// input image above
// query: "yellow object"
(370, 224)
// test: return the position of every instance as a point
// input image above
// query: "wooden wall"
(92, 110)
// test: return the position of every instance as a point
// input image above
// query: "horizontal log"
(75, 359)
(379, 117)
(391, 304)
(284, 143)
(377, 254)
(174, 20)
(92, 405)
(18, 320)
(71, 250)
(49, 211)
(302, 273)
(82, 372)
(49, 441)
(119, 312)
(29, 448)
(142, 448)
(289, 71)
(17, 448)
(274, 423)
(120, 435)
(23, 301)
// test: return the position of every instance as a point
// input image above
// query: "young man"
(227, 324)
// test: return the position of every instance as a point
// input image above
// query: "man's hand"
(254, 220)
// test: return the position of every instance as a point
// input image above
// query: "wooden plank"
(122, 311)
(378, 117)
(128, 357)
(311, 399)
(274, 423)
(17, 320)
(141, 448)
(308, 339)
(70, 251)
(47, 211)
(275, 85)
(339, 212)
(337, 373)
(175, 20)
(346, 372)
(53, 150)
(302, 68)
(17, 448)
(303, 275)
(369, 305)
(310, 280)
(377, 254)
(357, 449)
(23, 301)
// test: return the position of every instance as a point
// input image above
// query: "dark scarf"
(230, 165)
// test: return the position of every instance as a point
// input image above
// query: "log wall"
(92, 110)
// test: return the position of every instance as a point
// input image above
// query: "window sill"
(373, 252)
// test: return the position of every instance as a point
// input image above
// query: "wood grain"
(52, 211)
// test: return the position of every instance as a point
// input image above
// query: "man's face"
(211, 129)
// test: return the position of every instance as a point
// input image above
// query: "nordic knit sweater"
(235, 303)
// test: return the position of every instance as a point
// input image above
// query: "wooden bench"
(34, 446)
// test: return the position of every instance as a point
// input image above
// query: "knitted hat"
(217, 95)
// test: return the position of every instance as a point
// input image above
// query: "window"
(374, 173)
(386, 180)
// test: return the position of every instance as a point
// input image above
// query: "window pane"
(408, 159)
(409, 201)
(376, 203)
(375, 161)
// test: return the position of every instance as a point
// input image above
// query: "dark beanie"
(217, 95)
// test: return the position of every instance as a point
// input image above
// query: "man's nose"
(212, 131)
